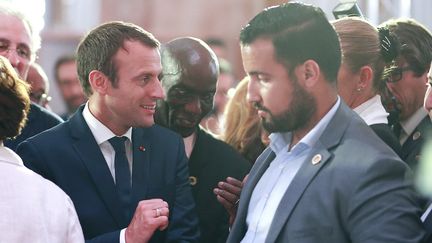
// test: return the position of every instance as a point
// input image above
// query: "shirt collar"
(100, 132)
(410, 124)
(372, 111)
(279, 141)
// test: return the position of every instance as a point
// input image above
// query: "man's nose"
(12, 56)
(194, 106)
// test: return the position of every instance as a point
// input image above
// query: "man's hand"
(149, 215)
(228, 194)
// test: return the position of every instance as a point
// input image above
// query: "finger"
(233, 181)
(163, 211)
(245, 179)
(225, 203)
(233, 189)
(162, 222)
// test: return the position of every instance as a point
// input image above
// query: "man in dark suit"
(326, 176)
(127, 177)
(407, 83)
(189, 75)
(19, 43)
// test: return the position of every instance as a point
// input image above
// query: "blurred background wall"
(64, 22)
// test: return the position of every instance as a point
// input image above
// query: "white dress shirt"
(102, 134)
(276, 179)
(372, 111)
(33, 209)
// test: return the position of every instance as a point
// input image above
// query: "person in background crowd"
(19, 43)
(407, 83)
(218, 46)
(242, 126)
(325, 177)
(127, 177)
(32, 209)
(66, 75)
(213, 122)
(366, 51)
(39, 83)
(189, 74)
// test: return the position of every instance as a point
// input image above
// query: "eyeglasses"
(395, 74)
(41, 99)
(21, 50)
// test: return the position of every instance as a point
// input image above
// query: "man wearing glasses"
(19, 43)
(39, 83)
(407, 83)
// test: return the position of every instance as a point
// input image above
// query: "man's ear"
(366, 78)
(98, 81)
(310, 73)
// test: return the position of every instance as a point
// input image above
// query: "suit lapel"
(294, 192)
(263, 162)
(416, 137)
(86, 147)
(318, 157)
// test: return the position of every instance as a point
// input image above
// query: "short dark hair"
(14, 101)
(415, 43)
(96, 50)
(60, 61)
(299, 32)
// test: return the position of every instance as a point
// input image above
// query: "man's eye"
(144, 80)
(23, 52)
(3, 46)
(207, 97)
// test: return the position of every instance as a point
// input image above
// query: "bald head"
(189, 74)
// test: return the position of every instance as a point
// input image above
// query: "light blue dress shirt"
(276, 179)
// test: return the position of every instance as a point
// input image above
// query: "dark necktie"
(122, 173)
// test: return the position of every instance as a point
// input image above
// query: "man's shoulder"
(44, 115)
(159, 130)
(217, 149)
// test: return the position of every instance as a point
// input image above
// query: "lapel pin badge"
(316, 159)
(141, 148)
(193, 180)
(416, 135)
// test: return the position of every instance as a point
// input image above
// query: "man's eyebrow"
(255, 73)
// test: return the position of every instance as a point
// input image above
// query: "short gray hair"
(9, 9)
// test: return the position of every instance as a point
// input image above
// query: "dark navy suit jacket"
(69, 156)
(39, 120)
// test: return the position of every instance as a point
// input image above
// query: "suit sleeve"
(183, 226)
(383, 206)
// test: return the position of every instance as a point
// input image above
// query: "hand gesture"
(228, 194)
(149, 215)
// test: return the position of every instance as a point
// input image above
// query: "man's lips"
(149, 107)
(186, 122)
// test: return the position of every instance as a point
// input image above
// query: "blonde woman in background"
(365, 52)
(242, 126)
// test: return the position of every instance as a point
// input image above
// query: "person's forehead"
(14, 30)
